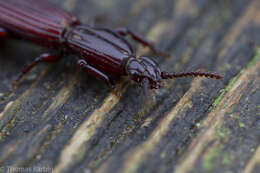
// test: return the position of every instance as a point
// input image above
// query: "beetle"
(102, 52)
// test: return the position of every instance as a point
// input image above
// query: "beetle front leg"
(82, 64)
(135, 36)
(125, 31)
(92, 22)
(3, 32)
(96, 19)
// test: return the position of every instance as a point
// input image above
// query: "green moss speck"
(220, 133)
(223, 91)
(227, 66)
(217, 100)
(163, 155)
(231, 115)
(228, 171)
(210, 155)
(226, 160)
(255, 59)
(241, 125)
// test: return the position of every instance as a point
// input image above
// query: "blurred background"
(68, 121)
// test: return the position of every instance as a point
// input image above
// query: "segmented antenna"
(166, 75)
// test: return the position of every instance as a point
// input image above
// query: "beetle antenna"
(166, 75)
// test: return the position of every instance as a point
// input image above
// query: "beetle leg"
(45, 57)
(82, 64)
(92, 22)
(3, 32)
(135, 36)
(97, 19)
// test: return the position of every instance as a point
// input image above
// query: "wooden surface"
(61, 120)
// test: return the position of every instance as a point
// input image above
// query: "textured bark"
(67, 121)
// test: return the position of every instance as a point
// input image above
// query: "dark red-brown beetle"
(102, 52)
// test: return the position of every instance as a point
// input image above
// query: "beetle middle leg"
(3, 32)
(82, 64)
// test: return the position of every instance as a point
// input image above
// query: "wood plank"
(67, 121)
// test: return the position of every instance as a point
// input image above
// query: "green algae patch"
(224, 91)
(220, 132)
(252, 62)
(255, 59)
(241, 125)
(210, 156)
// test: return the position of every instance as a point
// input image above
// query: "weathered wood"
(66, 121)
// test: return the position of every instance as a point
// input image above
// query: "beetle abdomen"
(40, 22)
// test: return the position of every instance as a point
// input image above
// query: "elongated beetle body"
(101, 52)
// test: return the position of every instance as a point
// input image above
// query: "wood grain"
(62, 120)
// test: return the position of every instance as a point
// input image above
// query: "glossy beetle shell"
(101, 48)
(40, 22)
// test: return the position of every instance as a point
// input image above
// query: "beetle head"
(144, 71)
